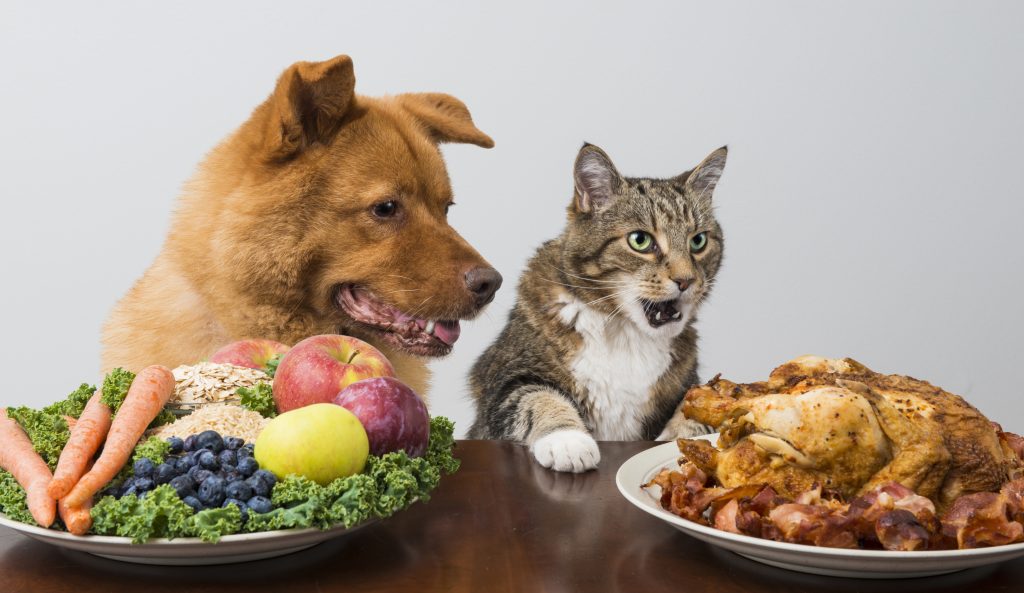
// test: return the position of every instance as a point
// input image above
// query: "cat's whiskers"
(624, 283)
(585, 279)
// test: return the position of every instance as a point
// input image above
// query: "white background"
(871, 201)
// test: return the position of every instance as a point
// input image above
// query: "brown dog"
(325, 212)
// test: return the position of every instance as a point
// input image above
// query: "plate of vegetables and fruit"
(87, 473)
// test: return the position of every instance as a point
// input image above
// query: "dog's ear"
(308, 104)
(446, 118)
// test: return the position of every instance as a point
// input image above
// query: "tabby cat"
(601, 343)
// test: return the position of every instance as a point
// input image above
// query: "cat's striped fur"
(586, 351)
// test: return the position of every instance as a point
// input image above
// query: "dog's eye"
(385, 209)
(448, 207)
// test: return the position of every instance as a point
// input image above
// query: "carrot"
(147, 395)
(78, 520)
(71, 420)
(86, 437)
(28, 468)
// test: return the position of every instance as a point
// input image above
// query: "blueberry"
(227, 456)
(267, 476)
(211, 491)
(113, 491)
(246, 450)
(198, 474)
(227, 468)
(241, 507)
(248, 466)
(233, 476)
(239, 490)
(177, 445)
(233, 443)
(193, 457)
(189, 444)
(182, 464)
(144, 467)
(164, 473)
(210, 439)
(259, 486)
(260, 504)
(144, 484)
(209, 461)
(130, 491)
(183, 485)
(193, 502)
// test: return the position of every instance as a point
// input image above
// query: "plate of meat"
(830, 468)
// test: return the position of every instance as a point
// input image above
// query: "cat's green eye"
(641, 241)
(698, 242)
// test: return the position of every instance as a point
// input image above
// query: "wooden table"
(501, 523)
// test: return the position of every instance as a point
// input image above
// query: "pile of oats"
(210, 382)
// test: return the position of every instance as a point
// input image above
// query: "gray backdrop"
(871, 202)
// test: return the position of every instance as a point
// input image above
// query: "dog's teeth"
(430, 327)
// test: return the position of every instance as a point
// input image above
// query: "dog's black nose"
(483, 282)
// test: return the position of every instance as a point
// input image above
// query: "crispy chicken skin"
(837, 423)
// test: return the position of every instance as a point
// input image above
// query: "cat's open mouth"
(415, 335)
(659, 313)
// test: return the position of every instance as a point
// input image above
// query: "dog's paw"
(567, 450)
(680, 427)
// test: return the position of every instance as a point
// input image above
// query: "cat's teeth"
(430, 327)
(657, 316)
(677, 315)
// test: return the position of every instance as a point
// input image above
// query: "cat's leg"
(550, 425)
(681, 427)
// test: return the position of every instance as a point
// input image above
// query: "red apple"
(317, 368)
(393, 415)
(254, 354)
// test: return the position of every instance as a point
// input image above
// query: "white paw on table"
(567, 451)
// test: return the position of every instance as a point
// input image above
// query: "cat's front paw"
(680, 427)
(567, 451)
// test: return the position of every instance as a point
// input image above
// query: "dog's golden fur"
(281, 213)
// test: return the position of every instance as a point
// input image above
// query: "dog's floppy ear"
(446, 118)
(308, 104)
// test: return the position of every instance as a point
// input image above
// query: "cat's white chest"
(618, 365)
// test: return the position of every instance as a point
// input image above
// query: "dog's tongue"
(447, 331)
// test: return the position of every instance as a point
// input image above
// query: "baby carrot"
(147, 395)
(28, 468)
(78, 520)
(86, 438)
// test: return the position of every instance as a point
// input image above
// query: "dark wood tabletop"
(501, 523)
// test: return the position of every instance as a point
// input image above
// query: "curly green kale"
(115, 388)
(441, 444)
(74, 404)
(210, 525)
(259, 398)
(272, 364)
(47, 428)
(299, 516)
(13, 499)
(48, 432)
(160, 514)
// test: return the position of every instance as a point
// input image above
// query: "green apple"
(322, 442)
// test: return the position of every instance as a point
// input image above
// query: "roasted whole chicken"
(837, 425)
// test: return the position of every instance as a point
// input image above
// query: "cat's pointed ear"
(702, 180)
(595, 179)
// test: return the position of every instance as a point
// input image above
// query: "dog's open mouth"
(416, 335)
(659, 313)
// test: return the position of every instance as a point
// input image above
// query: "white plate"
(875, 564)
(241, 547)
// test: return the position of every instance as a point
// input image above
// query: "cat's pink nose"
(683, 283)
